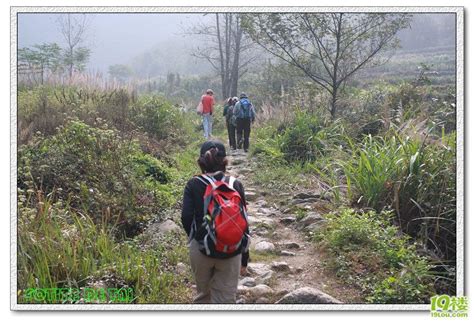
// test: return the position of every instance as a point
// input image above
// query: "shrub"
(308, 138)
(97, 172)
(161, 120)
(303, 140)
(370, 252)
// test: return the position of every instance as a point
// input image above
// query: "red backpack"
(225, 219)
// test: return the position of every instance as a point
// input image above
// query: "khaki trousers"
(216, 279)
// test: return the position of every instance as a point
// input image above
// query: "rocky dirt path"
(285, 267)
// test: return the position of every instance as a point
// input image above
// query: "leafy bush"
(368, 249)
(304, 139)
(161, 120)
(308, 138)
(98, 173)
(411, 285)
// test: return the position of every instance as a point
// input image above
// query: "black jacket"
(193, 205)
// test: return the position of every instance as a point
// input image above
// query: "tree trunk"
(235, 66)
(335, 84)
(333, 103)
(228, 40)
(221, 55)
(42, 74)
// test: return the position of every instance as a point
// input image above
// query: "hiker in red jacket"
(216, 271)
(207, 101)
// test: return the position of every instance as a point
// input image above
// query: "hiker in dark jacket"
(245, 114)
(230, 121)
(216, 278)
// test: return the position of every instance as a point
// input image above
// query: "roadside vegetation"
(94, 168)
(391, 179)
(99, 162)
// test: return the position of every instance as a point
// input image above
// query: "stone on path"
(266, 211)
(305, 196)
(260, 291)
(245, 170)
(241, 289)
(288, 220)
(262, 300)
(310, 218)
(265, 278)
(287, 253)
(258, 269)
(262, 272)
(261, 203)
(181, 268)
(168, 226)
(237, 160)
(250, 196)
(241, 300)
(314, 226)
(248, 282)
(262, 232)
(304, 201)
(264, 246)
(280, 266)
(290, 245)
(263, 221)
(308, 295)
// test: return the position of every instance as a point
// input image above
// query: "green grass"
(367, 251)
(61, 248)
(94, 168)
(262, 257)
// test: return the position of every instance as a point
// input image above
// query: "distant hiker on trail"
(207, 102)
(245, 114)
(230, 120)
(215, 218)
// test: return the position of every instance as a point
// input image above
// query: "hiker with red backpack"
(245, 114)
(214, 216)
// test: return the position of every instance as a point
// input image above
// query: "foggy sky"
(113, 38)
(118, 38)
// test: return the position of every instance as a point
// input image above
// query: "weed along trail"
(284, 266)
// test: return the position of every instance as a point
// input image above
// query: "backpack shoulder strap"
(231, 181)
(208, 180)
(202, 180)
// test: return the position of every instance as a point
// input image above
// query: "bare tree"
(226, 48)
(329, 48)
(73, 28)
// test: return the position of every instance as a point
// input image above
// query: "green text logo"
(448, 306)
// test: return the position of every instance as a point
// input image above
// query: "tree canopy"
(328, 47)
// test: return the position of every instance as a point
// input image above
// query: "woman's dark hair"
(210, 162)
(230, 101)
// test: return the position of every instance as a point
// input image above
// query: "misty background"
(157, 44)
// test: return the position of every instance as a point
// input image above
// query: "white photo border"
(460, 251)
